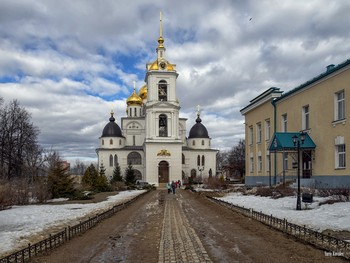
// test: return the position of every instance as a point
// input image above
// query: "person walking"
(173, 186)
(168, 186)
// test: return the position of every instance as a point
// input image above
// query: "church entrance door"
(163, 172)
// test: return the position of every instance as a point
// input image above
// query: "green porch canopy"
(283, 141)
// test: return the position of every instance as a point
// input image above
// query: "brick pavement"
(179, 242)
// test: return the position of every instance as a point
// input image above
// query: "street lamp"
(296, 141)
(200, 169)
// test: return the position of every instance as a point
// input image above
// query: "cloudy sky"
(70, 62)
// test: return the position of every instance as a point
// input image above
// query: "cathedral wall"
(153, 159)
(104, 158)
(191, 162)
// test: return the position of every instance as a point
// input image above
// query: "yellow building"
(316, 109)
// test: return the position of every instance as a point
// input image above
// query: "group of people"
(172, 186)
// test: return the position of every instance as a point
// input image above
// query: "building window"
(193, 142)
(134, 158)
(340, 156)
(111, 142)
(198, 160)
(339, 105)
(115, 160)
(135, 113)
(306, 118)
(120, 141)
(183, 159)
(202, 142)
(103, 142)
(267, 129)
(250, 135)
(267, 165)
(258, 132)
(251, 166)
(133, 140)
(111, 160)
(285, 161)
(284, 123)
(259, 163)
(203, 160)
(163, 126)
(162, 91)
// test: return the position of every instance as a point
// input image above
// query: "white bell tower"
(162, 106)
(163, 142)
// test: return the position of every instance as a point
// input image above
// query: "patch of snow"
(19, 223)
(330, 216)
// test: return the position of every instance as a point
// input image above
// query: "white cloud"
(70, 63)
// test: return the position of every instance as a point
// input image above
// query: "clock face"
(162, 65)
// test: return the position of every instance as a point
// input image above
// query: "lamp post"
(200, 169)
(296, 141)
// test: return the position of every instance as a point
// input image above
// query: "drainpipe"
(273, 102)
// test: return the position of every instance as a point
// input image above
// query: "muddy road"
(185, 227)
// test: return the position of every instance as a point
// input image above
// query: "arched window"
(120, 141)
(133, 140)
(103, 142)
(111, 160)
(135, 114)
(183, 159)
(115, 160)
(198, 160)
(193, 142)
(203, 160)
(162, 91)
(202, 142)
(134, 158)
(163, 126)
(111, 141)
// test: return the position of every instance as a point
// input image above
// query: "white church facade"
(152, 137)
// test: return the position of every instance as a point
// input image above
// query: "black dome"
(112, 129)
(198, 130)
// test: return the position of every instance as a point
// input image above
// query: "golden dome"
(170, 67)
(134, 99)
(143, 92)
(155, 65)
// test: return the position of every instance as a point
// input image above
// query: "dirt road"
(185, 227)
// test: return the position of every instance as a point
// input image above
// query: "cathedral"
(152, 135)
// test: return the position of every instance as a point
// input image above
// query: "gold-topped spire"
(160, 39)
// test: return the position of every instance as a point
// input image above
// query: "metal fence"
(332, 245)
(63, 236)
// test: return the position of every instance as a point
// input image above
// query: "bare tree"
(236, 159)
(18, 140)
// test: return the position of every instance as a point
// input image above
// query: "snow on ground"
(330, 216)
(19, 223)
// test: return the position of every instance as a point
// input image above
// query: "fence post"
(29, 252)
(50, 242)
